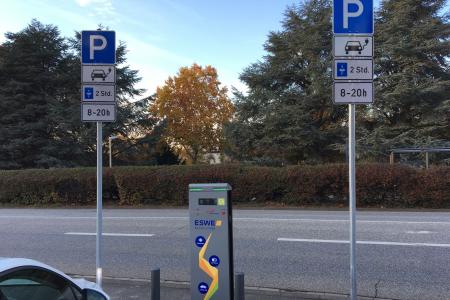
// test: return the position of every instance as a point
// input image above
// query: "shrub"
(51, 186)
(378, 185)
(156, 185)
(316, 185)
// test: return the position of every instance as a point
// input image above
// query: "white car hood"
(7, 263)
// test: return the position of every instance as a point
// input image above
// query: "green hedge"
(52, 187)
(378, 185)
(156, 185)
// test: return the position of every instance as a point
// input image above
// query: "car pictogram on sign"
(99, 73)
(355, 46)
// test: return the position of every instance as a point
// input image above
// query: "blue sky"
(163, 35)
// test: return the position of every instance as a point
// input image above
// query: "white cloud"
(4, 29)
(152, 78)
(102, 10)
(83, 3)
(238, 85)
(154, 64)
(148, 52)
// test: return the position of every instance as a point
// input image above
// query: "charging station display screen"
(207, 201)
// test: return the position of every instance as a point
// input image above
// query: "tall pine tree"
(412, 102)
(29, 78)
(40, 124)
(75, 141)
(288, 115)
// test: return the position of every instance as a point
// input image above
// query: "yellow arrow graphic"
(209, 270)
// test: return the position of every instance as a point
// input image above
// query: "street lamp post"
(113, 137)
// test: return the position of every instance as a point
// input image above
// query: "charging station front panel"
(211, 241)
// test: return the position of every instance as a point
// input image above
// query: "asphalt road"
(401, 255)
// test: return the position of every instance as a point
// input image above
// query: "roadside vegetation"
(285, 119)
(286, 116)
(379, 186)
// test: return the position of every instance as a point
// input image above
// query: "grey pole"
(352, 204)
(239, 291)
(427, 160)
(110, 152)
(113, 137)
(155, 284)
(99, 203)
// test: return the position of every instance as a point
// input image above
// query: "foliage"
(38, 187)
(288, 114)
(32, 66)
(412, 70)
(288, 117)
(40, 126)
(379, 185)
(149, 149)
(133, 118)
(195, 108)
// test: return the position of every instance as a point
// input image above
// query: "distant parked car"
(26, 279)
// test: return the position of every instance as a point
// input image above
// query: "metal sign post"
(98, 104)
(352, 198)
(353, 83)
(98, 244)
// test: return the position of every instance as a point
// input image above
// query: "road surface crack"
(376, 288)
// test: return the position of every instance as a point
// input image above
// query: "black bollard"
(239, 291)
(155, 285)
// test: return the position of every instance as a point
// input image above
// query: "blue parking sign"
(98, 47)
(353, 16)
(88, 93)
(342, 69)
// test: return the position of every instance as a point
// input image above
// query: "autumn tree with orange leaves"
(195, 107)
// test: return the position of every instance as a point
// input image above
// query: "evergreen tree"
(77, 140)
(288, 115)
(30, 75)
(412, 105)
(40, 124)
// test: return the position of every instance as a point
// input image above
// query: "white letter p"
(92, 46)
(355, 14)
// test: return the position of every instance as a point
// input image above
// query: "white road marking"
(110, 234)
(91, 218)
(419, 232)
(364, 242)
(255, 219)
(342, 221)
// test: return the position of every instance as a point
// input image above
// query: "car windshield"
(36, 284)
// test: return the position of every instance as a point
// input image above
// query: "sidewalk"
(122, 289)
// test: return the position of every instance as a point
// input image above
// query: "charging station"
(211, 241)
